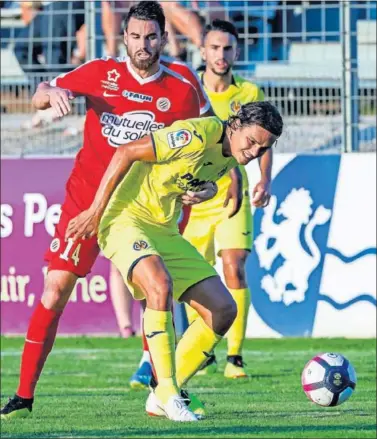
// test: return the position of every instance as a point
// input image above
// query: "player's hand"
(262, 194)
(83, 226)
(59, 101)
(208, 192)
(234, 194)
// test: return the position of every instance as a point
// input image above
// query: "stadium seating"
(321, 62)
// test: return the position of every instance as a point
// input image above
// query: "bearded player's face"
(144, 42)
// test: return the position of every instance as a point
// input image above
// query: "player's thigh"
(67, 261)
(185, 264)
(126, 243)
(152, 278)
(234, 262)
(200, 232)
(236, 232)
(76, 257)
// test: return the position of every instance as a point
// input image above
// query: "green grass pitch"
(84, 393)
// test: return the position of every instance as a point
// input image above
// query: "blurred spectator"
(112, 16)
(28, 48)
(48, 40)
(179, 19)
(186, 22)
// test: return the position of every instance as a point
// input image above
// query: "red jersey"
(190, 74)
(121, 107)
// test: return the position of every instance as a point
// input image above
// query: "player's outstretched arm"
(234, 192)
(262, 191)
(86, 224)
(47, 96)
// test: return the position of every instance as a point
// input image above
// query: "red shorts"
(76, 257)
(185, 216)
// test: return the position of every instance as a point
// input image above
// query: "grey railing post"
(350, 86)
(90, 21)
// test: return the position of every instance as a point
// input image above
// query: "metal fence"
(316, 60)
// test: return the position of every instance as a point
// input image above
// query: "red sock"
(186, 210)
(39, 340)
(144, 340)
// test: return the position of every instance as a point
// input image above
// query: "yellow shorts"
(211, 231)
(129, 239)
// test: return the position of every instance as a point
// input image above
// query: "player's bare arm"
(262, 191)
(85, 225)
(57, 98)
(235, 193)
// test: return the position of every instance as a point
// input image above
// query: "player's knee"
(229, 313)
(57, 291)
(54, 298)
(226, 313)
(235, 273)
(160, 294)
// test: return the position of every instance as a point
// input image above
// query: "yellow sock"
(236, 334)
(197, 339)
(191, 314)
(159, 330)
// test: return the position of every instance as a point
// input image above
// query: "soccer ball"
(328, 379)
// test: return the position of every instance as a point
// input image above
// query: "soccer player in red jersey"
(126, 99)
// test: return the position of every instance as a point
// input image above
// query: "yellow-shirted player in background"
(135, 213)
(209, 229)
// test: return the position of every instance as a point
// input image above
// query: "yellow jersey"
(189, 154)
(226, 104)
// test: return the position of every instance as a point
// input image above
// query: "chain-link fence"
(315, 59)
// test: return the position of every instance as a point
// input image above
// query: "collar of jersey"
(229, 91)
(138, 78)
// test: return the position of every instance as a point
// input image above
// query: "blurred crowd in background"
(291, 49)
(52, 35)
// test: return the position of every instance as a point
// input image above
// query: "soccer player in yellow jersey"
(209, 228)
(135, 213)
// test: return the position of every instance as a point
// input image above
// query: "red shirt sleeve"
(191, 108)
(192, 77)
(80, 81)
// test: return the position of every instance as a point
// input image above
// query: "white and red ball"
(328, 379)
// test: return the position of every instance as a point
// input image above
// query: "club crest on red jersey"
(163, 104)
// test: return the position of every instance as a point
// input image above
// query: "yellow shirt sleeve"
(186, 137)
(260, 95)
(252, 93)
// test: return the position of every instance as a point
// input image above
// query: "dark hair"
(263, 114)
(147, 10)
(222, 26)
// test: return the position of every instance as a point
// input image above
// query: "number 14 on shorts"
(75, 252)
